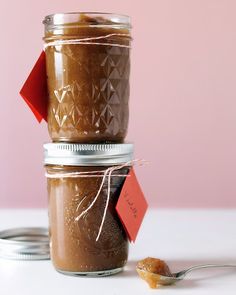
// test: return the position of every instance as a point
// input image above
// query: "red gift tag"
(34, 91)
(131, 206)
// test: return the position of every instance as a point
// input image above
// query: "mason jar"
(88, 69)
(84, 183)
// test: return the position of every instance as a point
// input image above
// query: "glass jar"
(84, 184)
(88, 68)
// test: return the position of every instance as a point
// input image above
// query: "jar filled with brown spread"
(88, 68)
(84, 184)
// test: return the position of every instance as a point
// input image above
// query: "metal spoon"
(178, 276)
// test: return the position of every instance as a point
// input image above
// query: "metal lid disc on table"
(27, 243)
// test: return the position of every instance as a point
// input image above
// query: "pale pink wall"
(183, 99)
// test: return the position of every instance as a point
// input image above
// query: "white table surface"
(181, 237)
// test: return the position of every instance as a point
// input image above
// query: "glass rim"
(70, 18)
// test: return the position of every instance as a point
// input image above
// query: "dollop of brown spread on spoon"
(150, 269)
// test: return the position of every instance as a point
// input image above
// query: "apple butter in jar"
(88, 68)
(84, 184)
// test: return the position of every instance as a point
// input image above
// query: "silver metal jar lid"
(27, 243)
(73, 154)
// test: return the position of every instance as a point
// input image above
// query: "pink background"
(183, 99)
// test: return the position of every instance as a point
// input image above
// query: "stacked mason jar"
(88, 68)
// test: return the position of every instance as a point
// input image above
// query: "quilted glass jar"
(88, 68)
(84, 184)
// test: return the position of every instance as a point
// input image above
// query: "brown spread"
(150, 269)
(74, 248)
(88, 82)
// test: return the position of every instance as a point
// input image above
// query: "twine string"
(106, 173)
(89, 40)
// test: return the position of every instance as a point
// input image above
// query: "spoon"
(155, 279)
